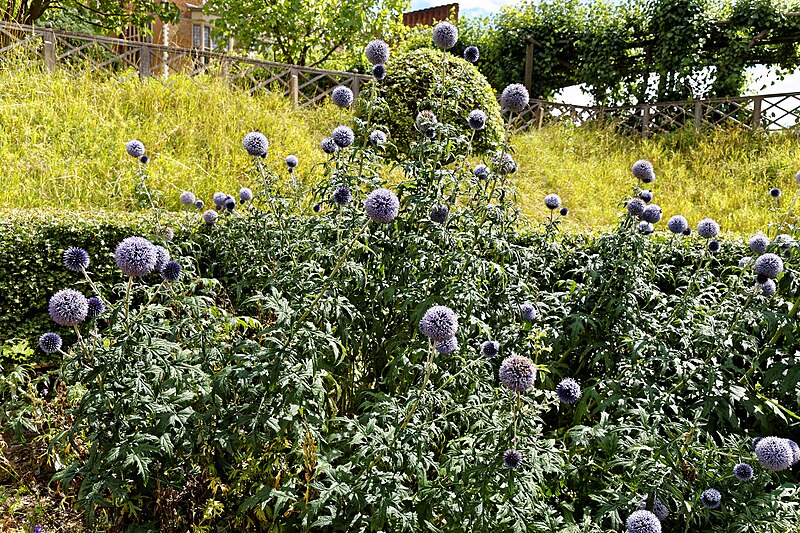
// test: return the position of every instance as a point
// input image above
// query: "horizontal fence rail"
(21, 45)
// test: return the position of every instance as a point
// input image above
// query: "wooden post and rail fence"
(20, 45)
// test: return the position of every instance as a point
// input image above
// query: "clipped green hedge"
(32, 243)
(411, 85)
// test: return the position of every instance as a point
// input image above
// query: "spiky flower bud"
(708, 228)
(134, 148)
(68, 307)
(382, 205)
(445, 35)
(568, 391)
(377, 52)
(677, 224)
(439, 323)
(517, 373)
(256, 144)
(50, 342)
(477, 120)
(471, 54)
(514, 98)
(76, 259)
(342, 96)
(552, 201)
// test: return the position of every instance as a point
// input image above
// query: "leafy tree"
(109, 15)
(306, 33)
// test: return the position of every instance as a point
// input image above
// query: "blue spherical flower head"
(343, 136)
(134, 148)
(96, 307)
(68, 307)
(713, 245)
(439, 323)
(743, 471)
(162, 256)
(481, 171)
(647, 196)
(775, 192)
(447, 346)
(377, 52)
(768, 288)
(651, 214)
(512, 459)
(711, 498)
(316, 208)
(342, 96)
(758, 244)
(635, 206)
(564, 211)
(219, 199)
(708, 228)
(210, 217)
(76, 259)
(528, 312)
(514, 98)
(517, 373)
(379, 72)
(568, 391)
(774, 453)
(795, 450)
(377, 138)
(784, 240)
(329, 146)
(144, 159)
(135, 256)
(677, 224)
(490, 349)
(471, 54)
(50, 342)
(188, 198)
(756, 440)
(687, 231)
(382, 205)
(439, 213)
(769, 265)
(171, 271)
(659, 509)
(256, 144)
(426, 122)
(477, 120)
(744, 262)
(504, 164)
(342, 196)
(552, 201)
(38, 529)
(643, 522)
(445, 35)
(245, 195)
(643, 171)
(200, 204)
(291, 162)
(645, 228)
(230, 203)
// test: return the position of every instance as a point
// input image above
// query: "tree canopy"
(96, 14)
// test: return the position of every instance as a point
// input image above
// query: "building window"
(197, 30)
(208, 44)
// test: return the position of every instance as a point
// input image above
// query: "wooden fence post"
(645, 121)
(294, 88)
(539, 115)
(757, 111)
(145, 60)
(49, 51)
(698, 115)
(528, 64)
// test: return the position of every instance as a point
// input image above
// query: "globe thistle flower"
(230, 203)
(758, 244)
(134, 148)
(769, 265)
(329, 146)
(677, 224)
(552, 201)
(135, 256)
(76, 259)
(447, 346)
(68, 307)
(774, 453)
(564, 211)
(471, 54)
(245, 195)
(643, 171)
(379, 72)
(426, 121)
(797, 177)
(761, 279)
(316, 208)
(199, 204)
(775, 192)
(343, 136)
(219, 199)
(210, 217)
(744, 262)
(514, 98)
(171, 271)
(505, 164)
(382, 205)
(477, 120)
(439, 213)
(144, 159)
(711, 498)
(512, 459)
(635, 206)
(795, 450)
(645, 228)
(490, 349)
(647, 196)
(785, 240)
(96, 307)
(50, 342)
(659, 509)
(568, 391)
(642, 521)
(439, 323)
(445, 35)
(528, 312)
(256, 144)
(651, 213)
(162, 256)
(377, 52)
(517, 373)
(187, 198)
(768, 288)
(342, 96)
(377, 138)
(342, 196)
(291, 162)
(481, 171)
(38, 529)
(743, 471)
(713, 245)
(708, 228)
(756, 440)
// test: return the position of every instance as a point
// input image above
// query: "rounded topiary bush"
(410, 87)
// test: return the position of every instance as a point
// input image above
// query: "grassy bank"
(61, 146)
